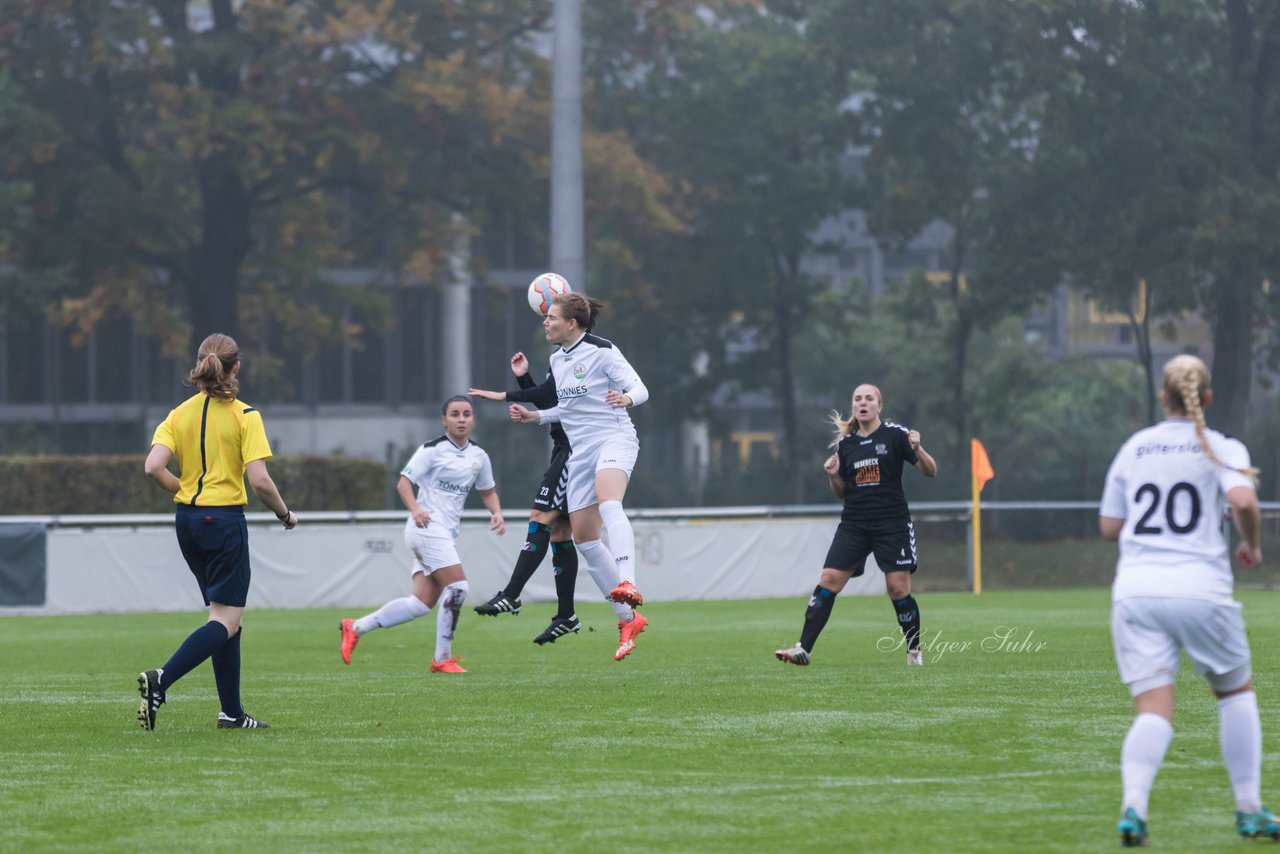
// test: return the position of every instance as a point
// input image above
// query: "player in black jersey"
(866, 471)
(548, 522)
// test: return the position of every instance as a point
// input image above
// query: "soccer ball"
(543, 289)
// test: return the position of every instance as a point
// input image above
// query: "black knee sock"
(198, 646)
(909, 620)
(531, 555)
(816, 616)
(226, 674)
(564, 557)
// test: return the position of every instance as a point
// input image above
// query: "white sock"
(604, 572)
(450, 606)
(1240, 732)
(393, 613)
(622, 540)
(1140, 759)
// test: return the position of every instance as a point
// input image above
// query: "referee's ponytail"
(214, 373)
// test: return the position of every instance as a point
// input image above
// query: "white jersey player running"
(1166, 494)
(443, 471)
(595, 386)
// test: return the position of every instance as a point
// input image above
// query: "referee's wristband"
(285, 515)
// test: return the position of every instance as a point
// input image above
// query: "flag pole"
(979, 473)
(977, 535)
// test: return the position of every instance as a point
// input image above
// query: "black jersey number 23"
(1151, 492)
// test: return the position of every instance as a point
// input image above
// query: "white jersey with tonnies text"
(583, 373)
(444, 473)
(1172, 498)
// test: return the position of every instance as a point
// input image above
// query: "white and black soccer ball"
(543, 289)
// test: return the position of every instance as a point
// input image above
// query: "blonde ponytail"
(844, 426)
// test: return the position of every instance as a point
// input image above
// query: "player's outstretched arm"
(542, 395)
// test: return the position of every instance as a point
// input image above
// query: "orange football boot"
(449, 665)
(627, 633)
(349, 639)
(627, 594)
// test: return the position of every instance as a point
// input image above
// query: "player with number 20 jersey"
(1167, 492)
(1173, 499)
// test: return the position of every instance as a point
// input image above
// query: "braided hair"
(1186, 384)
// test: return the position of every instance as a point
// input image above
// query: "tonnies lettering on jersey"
(583, 375)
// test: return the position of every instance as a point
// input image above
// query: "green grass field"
(700, 741)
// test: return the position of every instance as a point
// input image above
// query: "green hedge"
(38, 486)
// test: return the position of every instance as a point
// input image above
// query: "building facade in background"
(379, 399)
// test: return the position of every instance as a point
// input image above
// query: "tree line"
(204, 166)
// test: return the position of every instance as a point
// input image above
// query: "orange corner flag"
(982, 471)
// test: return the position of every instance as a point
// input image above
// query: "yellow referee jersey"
(213, 439)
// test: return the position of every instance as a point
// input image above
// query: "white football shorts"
(1149, 631)
(431, 551)
(611, 452)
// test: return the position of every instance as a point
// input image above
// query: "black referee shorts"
(893, 544)
(553, 494)
(215, 543)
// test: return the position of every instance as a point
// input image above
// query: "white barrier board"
(130, 569)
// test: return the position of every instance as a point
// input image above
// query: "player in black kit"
(548, 522)
(866, 471)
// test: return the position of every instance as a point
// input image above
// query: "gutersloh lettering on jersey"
(444, 474)
(1173, 500)
(871, 467)
(581, 375)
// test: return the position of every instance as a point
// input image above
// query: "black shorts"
(553, 494)
(215, 542)
(893, 543)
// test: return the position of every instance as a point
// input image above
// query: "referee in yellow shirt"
(217, 439)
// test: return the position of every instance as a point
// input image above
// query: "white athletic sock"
(604, 572)
(1240, 732)
(450, 605)
(1140, 759)
(393, 613)
(622, 540)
